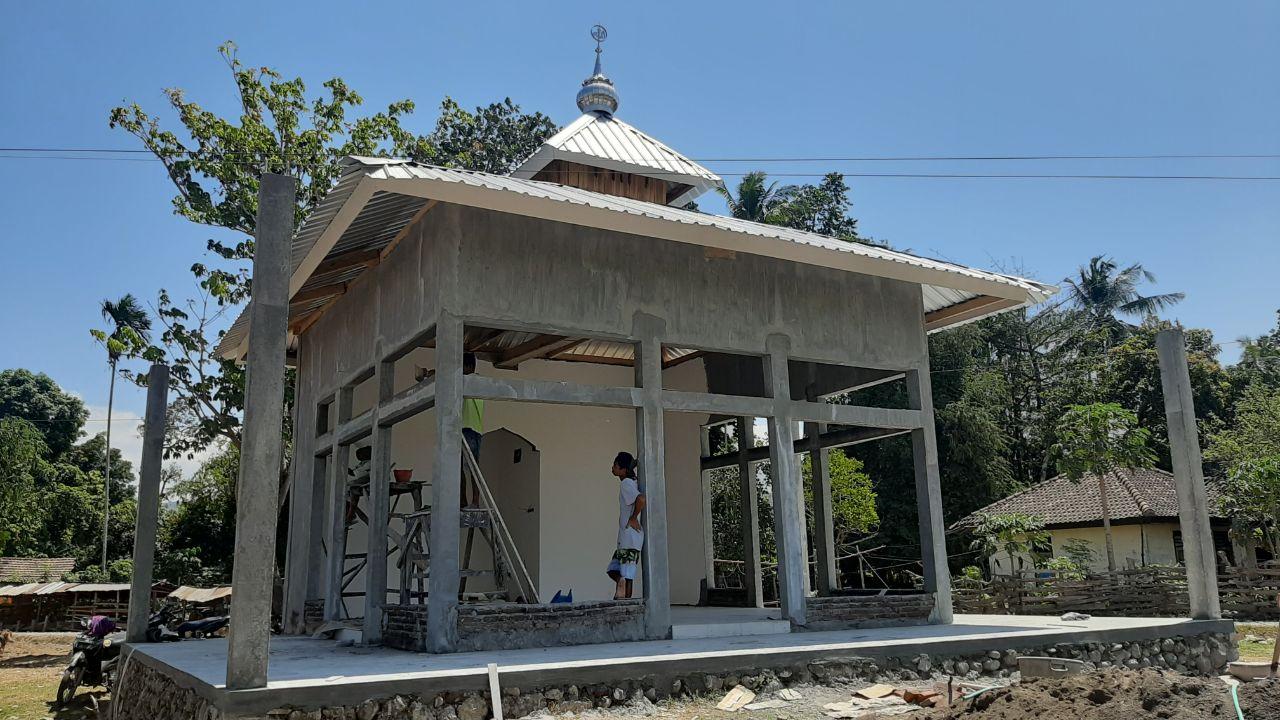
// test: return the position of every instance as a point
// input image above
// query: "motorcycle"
(207, 627)
(95, 652)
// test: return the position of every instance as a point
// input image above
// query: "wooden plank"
(315, 293)
(539, 346)
(966, 310)
(368, 258)
(404, 232)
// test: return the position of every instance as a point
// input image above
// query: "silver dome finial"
(597, 93)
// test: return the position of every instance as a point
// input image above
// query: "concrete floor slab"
(312, 672)
(690, 622)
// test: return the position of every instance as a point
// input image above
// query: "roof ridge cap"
(1125, 480)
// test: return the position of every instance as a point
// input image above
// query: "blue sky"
(714, 80)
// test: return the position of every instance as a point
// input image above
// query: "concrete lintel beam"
(834, 439)
(407, 403)
(543, 391)
(833, 414)
(357, 428)
(715, 404)
(324, 444)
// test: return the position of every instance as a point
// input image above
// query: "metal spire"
(597, 93)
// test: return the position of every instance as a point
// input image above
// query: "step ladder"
(357, 490)
(479, 517)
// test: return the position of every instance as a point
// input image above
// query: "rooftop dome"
(597, 93)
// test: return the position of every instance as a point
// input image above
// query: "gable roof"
(376, 199)
(602, 140)
(34, 569)
(1059, 501)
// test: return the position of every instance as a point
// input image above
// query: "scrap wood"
(765, 705)
(921, 697)
(878, 690)
(789, 694)
(736, 699)
(858, 707)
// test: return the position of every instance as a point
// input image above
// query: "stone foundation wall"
(1199, 654)
(144, 693)
(510, 626)
(838, 612)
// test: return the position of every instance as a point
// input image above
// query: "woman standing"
(622, 568)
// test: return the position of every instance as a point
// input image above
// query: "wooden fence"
(1245, 593)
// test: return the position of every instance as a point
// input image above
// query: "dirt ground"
(29, 671)
(1116, 695)
(1256, 640)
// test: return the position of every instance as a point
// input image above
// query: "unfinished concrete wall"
(593, 281)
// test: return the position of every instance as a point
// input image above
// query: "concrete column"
(933, 539)
(824, 537)
(1188, 476)
(375, 573)
(708, 528)
(336, 468)
(318, 542)
(445, 575)
(750, 510)
(302, 489)
(788, 497)
(144, 536)
(258, 491)
(651, 452)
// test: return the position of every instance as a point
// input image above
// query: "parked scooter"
(93, 657)
(207, 627)
(95, 652)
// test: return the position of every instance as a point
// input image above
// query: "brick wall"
(865, 611)
(507, 626)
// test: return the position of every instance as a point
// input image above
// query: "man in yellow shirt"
(472, 412)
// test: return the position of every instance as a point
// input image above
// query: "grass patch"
(29, 672)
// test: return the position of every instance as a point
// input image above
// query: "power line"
(796, 158)
(924, 176)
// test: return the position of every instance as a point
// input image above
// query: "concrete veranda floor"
(315, 671)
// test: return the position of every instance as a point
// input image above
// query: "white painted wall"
(1128, 541)
(577, 508)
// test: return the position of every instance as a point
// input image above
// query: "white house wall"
(1128, 541)
(578, 497)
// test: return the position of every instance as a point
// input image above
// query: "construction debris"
(766, 704)
(859, 707)
(789, 695)
(736, 699)
(872, 692)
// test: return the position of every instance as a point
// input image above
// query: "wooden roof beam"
(318, 292)
(974, 307)
(367, 258)
(540, 346)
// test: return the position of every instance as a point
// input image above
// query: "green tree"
(1259, 360)
(36, 398)
(129, 335)
(822, 208)
(197, 536)
(1255, 433)
(756, 200)
(1014, 534)
(1103, 290)
(1251, 498)
(853, 500)
(21, 450)
(214, 163)
(1098, 440)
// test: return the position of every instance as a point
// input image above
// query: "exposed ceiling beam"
(320, 291)
(540, 346)
(348, 260)
(480, 336)
(962, 311)
(682, 359)
(404, 231)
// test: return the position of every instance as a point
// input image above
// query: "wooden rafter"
(346, 260)
(404, 231)
(540, 346)
(966, 310)
(682, 359)
(318, 292)
(479, 337)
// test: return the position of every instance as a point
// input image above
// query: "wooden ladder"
(511, 578)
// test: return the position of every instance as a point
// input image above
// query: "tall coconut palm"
(757, 200)
(1103, 290)
(130, 330)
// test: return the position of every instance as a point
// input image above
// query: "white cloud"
(126, 436)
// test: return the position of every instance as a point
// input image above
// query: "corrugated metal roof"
(200, 595)
(62, 587)
(601, 140)
(386, 212)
